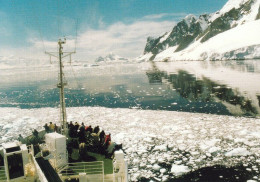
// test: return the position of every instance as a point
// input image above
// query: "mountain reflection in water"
(228, 88)
(208, 95)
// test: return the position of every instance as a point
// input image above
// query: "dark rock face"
(182, 35)
(189, 34)
(223, 23)
(192, 28)
(151, 45)
(220, 25)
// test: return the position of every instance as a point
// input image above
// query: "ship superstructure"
(47, 159)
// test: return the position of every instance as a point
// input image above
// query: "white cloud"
(127, 40)
(163, 15)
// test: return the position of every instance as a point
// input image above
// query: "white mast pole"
(61, 84)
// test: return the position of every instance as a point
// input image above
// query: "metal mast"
(61, 84)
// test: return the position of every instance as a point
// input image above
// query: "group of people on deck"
(51, 128)
(93, 138)
(81, 138)
(33, 139)
(83, 132)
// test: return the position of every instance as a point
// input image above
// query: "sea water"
(220, 87)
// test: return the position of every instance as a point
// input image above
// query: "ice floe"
(179, 169)
(158, 144)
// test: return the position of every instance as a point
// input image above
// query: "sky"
(93, 28)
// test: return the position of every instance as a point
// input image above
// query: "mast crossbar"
(68, 54)
(51, 54)
(61, 84)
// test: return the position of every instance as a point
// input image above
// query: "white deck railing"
(91, 169)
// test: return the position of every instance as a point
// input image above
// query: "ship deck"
(108, 163)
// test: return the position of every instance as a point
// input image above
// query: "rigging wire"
(74, 76)
(60, 5)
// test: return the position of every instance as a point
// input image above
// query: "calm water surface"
(229, 88)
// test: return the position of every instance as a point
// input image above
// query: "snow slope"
(111, 58)
(154, 140)
(215, 48)
(236, 4)
(230, 33)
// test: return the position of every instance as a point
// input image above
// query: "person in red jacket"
(107, 141)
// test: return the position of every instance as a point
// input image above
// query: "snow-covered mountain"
(111, 58)
(230, 33)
